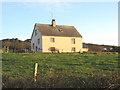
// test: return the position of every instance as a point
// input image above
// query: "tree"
(7, 45)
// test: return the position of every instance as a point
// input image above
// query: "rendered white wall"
(34, 40)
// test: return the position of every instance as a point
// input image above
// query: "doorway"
(36, 49)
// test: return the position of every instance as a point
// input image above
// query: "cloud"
(50, 7)
(106, 39)
(56, 7)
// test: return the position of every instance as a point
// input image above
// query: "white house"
(58, 38)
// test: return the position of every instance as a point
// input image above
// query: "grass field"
(78, 65)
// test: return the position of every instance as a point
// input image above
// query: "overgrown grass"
(63, 81)
(88, 67)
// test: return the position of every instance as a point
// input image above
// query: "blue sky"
(97, 22)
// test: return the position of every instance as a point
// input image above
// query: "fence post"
(35, 74)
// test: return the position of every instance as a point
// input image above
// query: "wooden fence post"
(35, 74)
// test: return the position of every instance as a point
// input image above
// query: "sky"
(97, 22)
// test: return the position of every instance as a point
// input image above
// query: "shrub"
(62, 81)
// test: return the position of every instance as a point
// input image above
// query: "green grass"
(22, 64)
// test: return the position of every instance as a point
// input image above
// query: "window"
(33, 45)
(73, 49)
(60, 30)
(35, 32)
(52, 48)
(52, 39)
(73, 41)
(38, 41)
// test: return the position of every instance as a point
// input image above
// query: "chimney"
(53, 23)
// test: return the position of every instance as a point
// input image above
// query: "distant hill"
(15, 39)
(101, 48)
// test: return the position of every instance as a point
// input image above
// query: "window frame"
(73, 49)
(52, 49)
(38, 41)
(73, 41)
(52, 40)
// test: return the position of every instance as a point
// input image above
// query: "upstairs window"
(73, 49)
(52, 39)
(35, 32)
(73, 40)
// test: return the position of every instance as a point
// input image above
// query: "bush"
(62, 81)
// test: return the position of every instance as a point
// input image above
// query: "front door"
(36, 49)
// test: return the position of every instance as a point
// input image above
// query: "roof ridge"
(42, 24)
(56, 25)
(64, 25)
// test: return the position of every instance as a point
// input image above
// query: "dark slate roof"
(59, 30)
